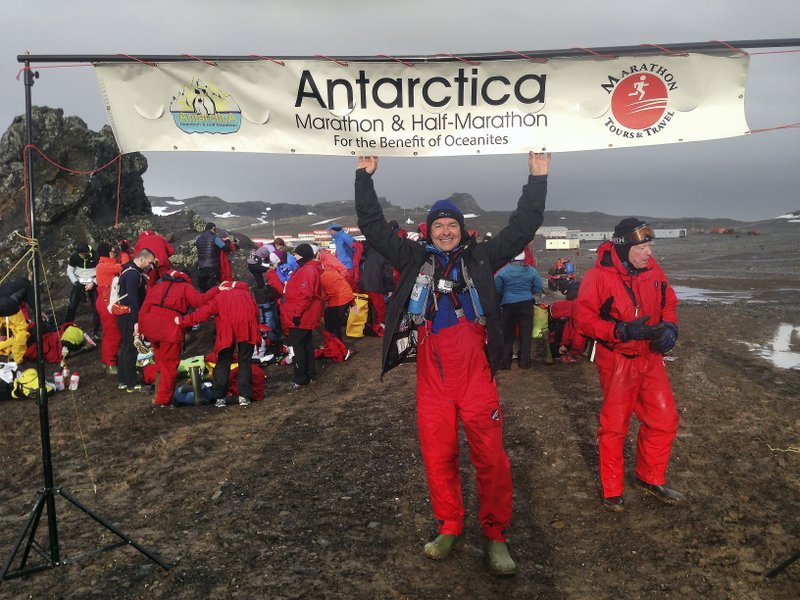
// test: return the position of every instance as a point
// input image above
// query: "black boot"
(662, 492)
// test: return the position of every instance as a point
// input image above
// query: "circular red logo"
(639, 100)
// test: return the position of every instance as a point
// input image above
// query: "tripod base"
(51, 560)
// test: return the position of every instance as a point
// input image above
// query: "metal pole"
(44, 419)
(639, 50)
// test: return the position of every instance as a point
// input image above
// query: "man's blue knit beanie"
(445, 209)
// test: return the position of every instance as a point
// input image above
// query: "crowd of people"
(446, 301)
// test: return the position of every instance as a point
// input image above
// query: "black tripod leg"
(784, 564)
(155, 558)
(30, 530)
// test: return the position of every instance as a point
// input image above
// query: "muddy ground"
(321, 493)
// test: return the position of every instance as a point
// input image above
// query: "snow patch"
(161, 211)
(225, 215)
(780, 350)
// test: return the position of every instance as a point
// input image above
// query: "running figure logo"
(639, 100)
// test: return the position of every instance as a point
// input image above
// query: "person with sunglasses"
(626, 304)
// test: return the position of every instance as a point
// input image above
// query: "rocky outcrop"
(69, 207)
(466, 203)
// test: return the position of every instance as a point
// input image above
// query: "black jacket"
(481, 259)
(376, 273)
(207, 250)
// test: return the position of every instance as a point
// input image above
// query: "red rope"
(25, 190)
(667, 50)
(533, 58)
(776, 52)
(727, 45)
(52, 67)
(338, 62)
(789, 126)
(197, 58)
(606, 56)
(469, 62)
(144, 62)
(402, 62)
(277, 62)
(67, 169)
(26, 183)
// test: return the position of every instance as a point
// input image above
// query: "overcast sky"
(750, 178)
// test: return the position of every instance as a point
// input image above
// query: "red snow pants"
(167, 356)
(634, 385)
(454, 381)
(109, 345)
(378, 301)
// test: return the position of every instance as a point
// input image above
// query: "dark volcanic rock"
(69, 207)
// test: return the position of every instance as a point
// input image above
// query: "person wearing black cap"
(626, 304)
(446, 293)
(301, 312)
(81, 272)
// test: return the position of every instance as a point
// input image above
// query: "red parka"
(166, 300)
(236, 315)
(157, 244)
(303, 297)
(329, 261)
(335, 289)
(611, 293)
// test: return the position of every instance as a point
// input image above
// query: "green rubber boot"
(442, 546)
(499, 560)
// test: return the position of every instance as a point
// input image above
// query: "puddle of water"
(779, 351)
(701, 295)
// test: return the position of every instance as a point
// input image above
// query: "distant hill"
(255, 219)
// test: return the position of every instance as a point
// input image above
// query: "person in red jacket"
(301, 313)
(338, 297)
(172, 295)
(161, 248)
(236, 321)
(107, 269)
(627, 305)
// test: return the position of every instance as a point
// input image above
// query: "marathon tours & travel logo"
(639, 98)
(201, 107)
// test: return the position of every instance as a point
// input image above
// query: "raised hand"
(370, 163)
(539, 162)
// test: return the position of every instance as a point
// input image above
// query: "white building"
(607, 235)
(553, 243)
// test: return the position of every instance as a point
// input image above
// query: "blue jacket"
(344, 247)
(517, 282)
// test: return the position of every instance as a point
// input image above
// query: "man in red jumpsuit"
(459, 348)
(626, 304)
(171, 296)
(236, 321)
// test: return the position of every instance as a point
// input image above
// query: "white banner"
(439, 109)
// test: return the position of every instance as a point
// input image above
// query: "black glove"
(296, 321)
(666, 341)
(637, 330)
